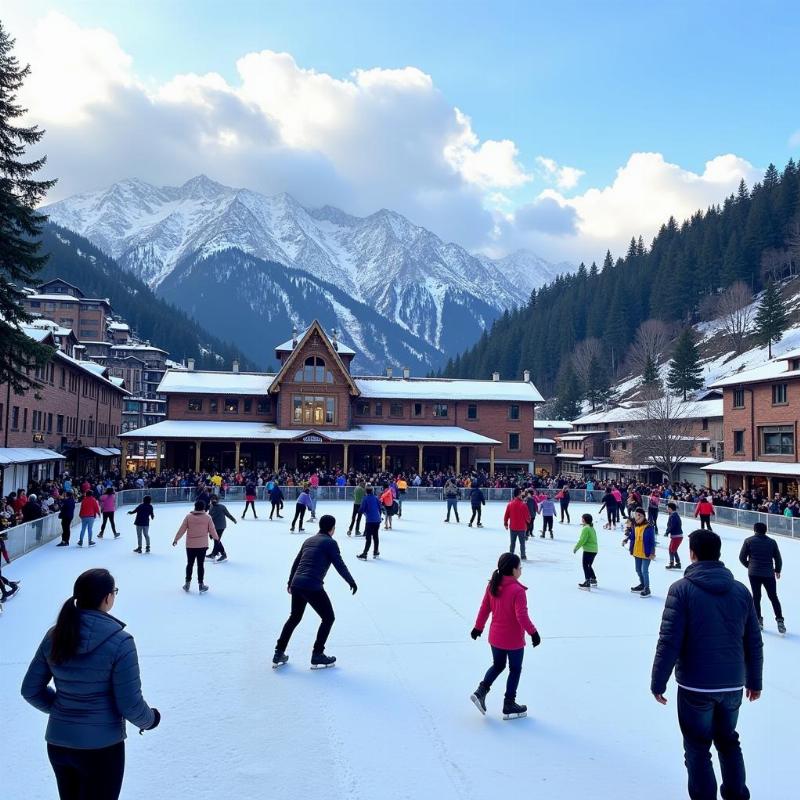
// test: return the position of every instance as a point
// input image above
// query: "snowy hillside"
(403, 271)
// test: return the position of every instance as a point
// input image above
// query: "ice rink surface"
(393, 719)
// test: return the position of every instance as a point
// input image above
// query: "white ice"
(393, 719)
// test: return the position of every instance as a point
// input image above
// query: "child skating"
(144, 513)
(588, 543)
(675, 534)
(505, 600)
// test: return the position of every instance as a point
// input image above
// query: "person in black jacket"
(476, 500)
(305, 585)
(675, 534)
(66, 515)
(762, 557)
(710, 636)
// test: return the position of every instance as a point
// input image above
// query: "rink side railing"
(30, 535)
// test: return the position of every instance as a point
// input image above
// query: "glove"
(536, 640)
(353, 588)
(475, 633)
(156, 721)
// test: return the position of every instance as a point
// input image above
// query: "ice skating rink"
(393, 719)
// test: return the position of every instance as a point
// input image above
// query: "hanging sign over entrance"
(313, 438)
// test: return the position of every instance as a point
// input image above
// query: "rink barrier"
(30, 535)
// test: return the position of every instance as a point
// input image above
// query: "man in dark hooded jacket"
(711, 637)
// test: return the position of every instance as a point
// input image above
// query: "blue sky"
(585, 84)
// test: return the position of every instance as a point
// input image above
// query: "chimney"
(526, 376)
(235, 365)
(388, 372)
(406, 373)
(190, 364)
(334, 340)
(495, 376)
(294, 336)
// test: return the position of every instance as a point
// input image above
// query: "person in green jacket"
(588, 543)
(358, 496)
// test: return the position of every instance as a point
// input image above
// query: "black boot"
(512, 710)
(279, 659)
(321, 661)
(479, 697)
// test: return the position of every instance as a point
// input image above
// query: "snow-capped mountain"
(437, 291)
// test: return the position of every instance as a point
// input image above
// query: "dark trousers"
(707, 717)
(197, 554)
(565, 511)
(652, 516)
(321, 603)
(770, 584)
(476, 511)
(705, 522)
(250, 504)
(452, 503)
(529, 528)
(218, 548)
(355, 519)
(108, 516)
(275, 508)
(85, 774)
(547, 525)
(514, 659)
(66, 524)
(514, 537)
(588, 571)
(299, 513)
(371, 532)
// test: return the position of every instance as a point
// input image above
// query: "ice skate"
(279, 659)
(186, 587)
(586, 586)
(637, 588)
(222, 559)
(321, 661)
(512, 710)
(645, 593)
(203, 588)
(479, 697)
(593, 582)
(362, 556)
(781, 626)
(137, 550)
(480, 524)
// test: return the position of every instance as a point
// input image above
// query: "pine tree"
(20, 225)
(684, 368)
(771, 320)
(568, 397)
(598, 387)
(650, 377)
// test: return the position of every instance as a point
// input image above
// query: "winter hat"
(327, 522)
(32, 497)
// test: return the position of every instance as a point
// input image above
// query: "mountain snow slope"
(436, 291)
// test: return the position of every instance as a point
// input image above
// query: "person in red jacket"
(505, 600)
(705, 511)
(90, 510)
(516, 521)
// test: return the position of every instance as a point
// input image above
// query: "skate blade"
(515, 716)
(282, 664)
(585, 588)
(323, 666)
(477, 704)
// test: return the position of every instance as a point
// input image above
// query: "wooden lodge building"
(315, 413)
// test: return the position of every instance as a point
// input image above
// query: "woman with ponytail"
(505, 600)
(93, 663)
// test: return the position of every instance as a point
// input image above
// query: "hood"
(96, 628)
(710, 576)
(197, 513)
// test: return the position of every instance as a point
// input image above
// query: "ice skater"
(476, 500)
(705, 510)
(219, 515)
(66, 514)
(7, 588)
(610, 505)
(588, 543)
(388, 506)
(548, 509)
(275, 501)
(358, 495)
(250, 492)
(515, 521)
(108, 505)
(302, 505)
(451, 496)
(306, 586)
(563, 502)
(505, 600)
(762, 557)
(370, 508)
(533, 509)
(640, 536)
(144, 513)
(675, 534)
(198, 527)
(90, 509)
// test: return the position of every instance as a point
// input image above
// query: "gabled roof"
(66, 283)
(314, 328)
(287, 347)
(777, 369)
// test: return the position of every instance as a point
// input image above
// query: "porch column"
(383, 458)
(237, 447)
(159, 445)
(458, 459)
(345, 447)
(491, 460)
(276, 463)
(419, 467)
(197, 445)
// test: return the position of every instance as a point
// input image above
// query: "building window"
(212, 405)
(24, 419)
(777, 440)
(313, 410)
(513, 411)
(417, 409)
(703, 447)
(472, 411)
(624, 445)
(362, 408)
(49, 423)
(248, 406)
(738, 398)
(60, 423)
(231, 405)
(513, 441)
(705, 423)
(440, 409)
(779, 394)
(263, 406)
(313, 371)
(396, 409)
(738, 442)
(378, 409)
(195, 404)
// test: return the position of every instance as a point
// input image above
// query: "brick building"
(545, 444)
(75, 413)
(761, 412)
(314, 413)
(67, 306)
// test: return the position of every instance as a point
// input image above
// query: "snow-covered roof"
(543, 440)
(66, 298)
(569, 455)
(118, 326)
(48, 324)
(578, 437)
(691, 409)
(234, 430)
(772, 370)
(610, 465)
(37, 334)
(287, 346)
(27, 455)
(138, 347)
(117, 381)
(552, 424)
(211, 382)
(91, 367)
(447, 389)
(789, 355)
(755, 467)
(105, 452)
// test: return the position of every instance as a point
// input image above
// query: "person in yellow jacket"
(641, 540)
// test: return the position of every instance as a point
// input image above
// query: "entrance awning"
(104, 452)
(27, 455)
(755, 468)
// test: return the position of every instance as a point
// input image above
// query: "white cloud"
(564, 177)
(794, 139)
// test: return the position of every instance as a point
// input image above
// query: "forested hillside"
(753, 237)
(78, 261)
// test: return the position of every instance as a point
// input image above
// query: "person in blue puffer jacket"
(92, 661)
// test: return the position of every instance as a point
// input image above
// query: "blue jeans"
(452, 503)
(87, 523)
(517, 536)
(514, 658)
(707, 717)
(643, 571)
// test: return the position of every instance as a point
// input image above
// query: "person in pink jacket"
(108, 505)
(197, 526)
(505, 600)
